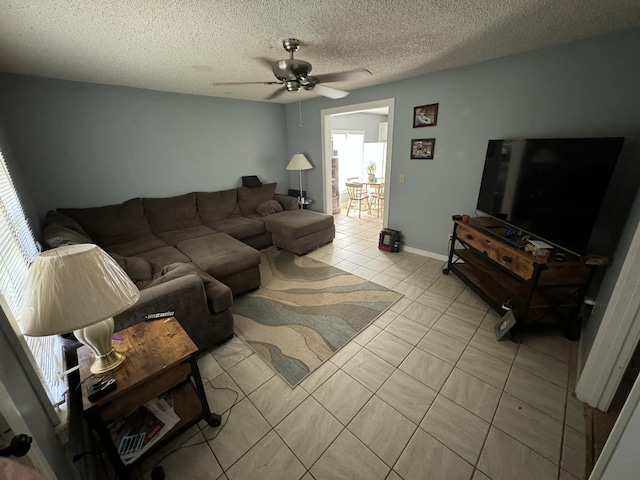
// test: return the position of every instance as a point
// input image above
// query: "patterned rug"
(305, 311)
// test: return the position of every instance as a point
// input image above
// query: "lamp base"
(98, 338)
(109, 361)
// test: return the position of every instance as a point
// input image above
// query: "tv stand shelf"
(503, 274)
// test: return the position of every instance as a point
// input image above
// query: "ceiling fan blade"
(267, 62)
(246, 83)
(277, 93)
(330, 92)
(358, 74)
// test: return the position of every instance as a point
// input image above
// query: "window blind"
(18, 249)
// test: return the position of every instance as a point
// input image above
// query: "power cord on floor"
(157, 472)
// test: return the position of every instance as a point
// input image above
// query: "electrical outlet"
(401, 178)
(450, 236)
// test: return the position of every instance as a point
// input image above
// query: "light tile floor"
(423, 392)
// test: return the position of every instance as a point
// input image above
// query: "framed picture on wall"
(425, 115)
(422, 148)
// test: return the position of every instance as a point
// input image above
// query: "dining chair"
(357, 195)
(377, 197)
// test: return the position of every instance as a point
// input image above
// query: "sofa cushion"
(297, 223)
(164, 256)
(112, 224)
(173, 237)
(56, 235)
(135, 247)
(239, 227)
(269, 207)
(213, 206)
(220, 254)
(250, 198)
(171, 213)
(138, 269)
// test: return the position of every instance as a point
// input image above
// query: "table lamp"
(299, 162)
(78, 288)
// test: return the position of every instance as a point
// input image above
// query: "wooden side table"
(159, 359)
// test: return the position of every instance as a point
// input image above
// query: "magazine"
(136, 433)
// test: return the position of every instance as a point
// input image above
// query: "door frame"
(617, 336)
(325, 127)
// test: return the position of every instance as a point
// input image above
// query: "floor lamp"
(299, 162)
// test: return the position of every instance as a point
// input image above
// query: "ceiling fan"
(294, 74)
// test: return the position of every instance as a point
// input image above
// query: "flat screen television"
(552, 189)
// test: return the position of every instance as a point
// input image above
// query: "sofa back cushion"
(213, 206)
(54, 218)
(112, 224)
(250, 198)
(171, 213)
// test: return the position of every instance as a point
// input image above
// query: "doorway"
(347, 162)
(333, 119)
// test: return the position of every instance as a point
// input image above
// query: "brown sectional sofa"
(191, 253)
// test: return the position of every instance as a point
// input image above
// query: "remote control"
(156, 316)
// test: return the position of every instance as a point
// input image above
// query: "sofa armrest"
(287, 202)
(184, 295)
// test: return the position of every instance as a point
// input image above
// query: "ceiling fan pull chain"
(300, 112)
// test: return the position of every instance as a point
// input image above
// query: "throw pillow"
(269, 207)
(249, 198)
(138, 269)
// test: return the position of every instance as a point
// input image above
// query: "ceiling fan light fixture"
(292, 85)
(291, 44)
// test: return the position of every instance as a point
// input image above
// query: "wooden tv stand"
(504, 274)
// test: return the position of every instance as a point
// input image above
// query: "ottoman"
(226, 259)
(300, 231)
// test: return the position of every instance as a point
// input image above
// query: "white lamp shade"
(72, 287)
(299, 162)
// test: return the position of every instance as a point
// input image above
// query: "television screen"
(550, 188)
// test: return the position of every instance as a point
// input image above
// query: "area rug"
(305, 311)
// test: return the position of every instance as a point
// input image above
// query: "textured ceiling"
(186, 45)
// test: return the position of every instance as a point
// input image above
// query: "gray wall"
(368, 122)
(587, 88)
(86, 145)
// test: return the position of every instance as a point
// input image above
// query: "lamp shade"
(72, 287)
(299, 162)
